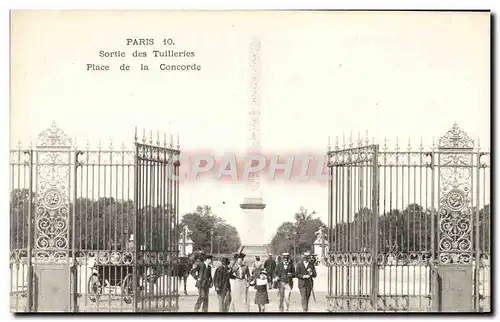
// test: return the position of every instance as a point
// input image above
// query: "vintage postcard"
(250, 161)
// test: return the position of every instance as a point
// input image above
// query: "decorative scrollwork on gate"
(455, 138)
(455, 209)
(351, 156)
(53, 137)
(52, 204)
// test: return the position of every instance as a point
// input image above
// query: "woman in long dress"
(241, 283)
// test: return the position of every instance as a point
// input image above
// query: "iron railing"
(109, 215)
(393, 214)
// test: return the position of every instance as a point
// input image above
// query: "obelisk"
(253, 235)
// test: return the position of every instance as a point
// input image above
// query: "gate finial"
(53, 137)
(455, 139)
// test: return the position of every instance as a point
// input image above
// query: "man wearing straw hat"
(284, 274)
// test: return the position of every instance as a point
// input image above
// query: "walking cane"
(313, 294)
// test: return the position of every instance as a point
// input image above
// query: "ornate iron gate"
(407, 228)
(93, 229)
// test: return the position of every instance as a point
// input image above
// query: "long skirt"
(239, 294)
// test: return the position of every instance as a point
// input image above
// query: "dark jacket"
(202, 273)
(270, 266)
(222, 278)
(282, 273)
(303, 270)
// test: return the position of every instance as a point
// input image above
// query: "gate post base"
(52, 288)
(454, 288)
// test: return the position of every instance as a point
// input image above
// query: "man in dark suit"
(222, 284)
(270, 267)
(202, 273)
(283, 275)
(305, 273)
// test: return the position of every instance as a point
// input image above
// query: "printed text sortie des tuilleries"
(155, 53)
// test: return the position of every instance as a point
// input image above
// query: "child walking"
(261, 297)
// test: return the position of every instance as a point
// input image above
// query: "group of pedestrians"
(271, 274)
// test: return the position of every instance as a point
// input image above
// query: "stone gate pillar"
(454, 229)
(51, 222)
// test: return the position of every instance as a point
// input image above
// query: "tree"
(298, 236)
(107, 223)
(210, 231)
(398, 231)
(101, 224)
(19, 223)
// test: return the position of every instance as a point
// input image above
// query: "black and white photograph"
(250, 161)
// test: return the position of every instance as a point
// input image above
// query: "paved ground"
(186, 303)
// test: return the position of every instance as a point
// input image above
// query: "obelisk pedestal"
(254, 235)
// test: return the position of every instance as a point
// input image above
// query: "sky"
(394, 75)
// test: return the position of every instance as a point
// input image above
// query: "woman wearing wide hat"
(241, 283)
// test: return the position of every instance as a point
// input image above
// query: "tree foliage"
(210, 231)
(107, 223)
(297, 236)
(410, 230)
(102, 224)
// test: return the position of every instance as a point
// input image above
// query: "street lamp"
(295, 235)
(211, 242)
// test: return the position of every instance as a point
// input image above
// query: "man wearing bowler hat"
(270, 267)
(202, 273)
(306, 271)
(222, 284)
